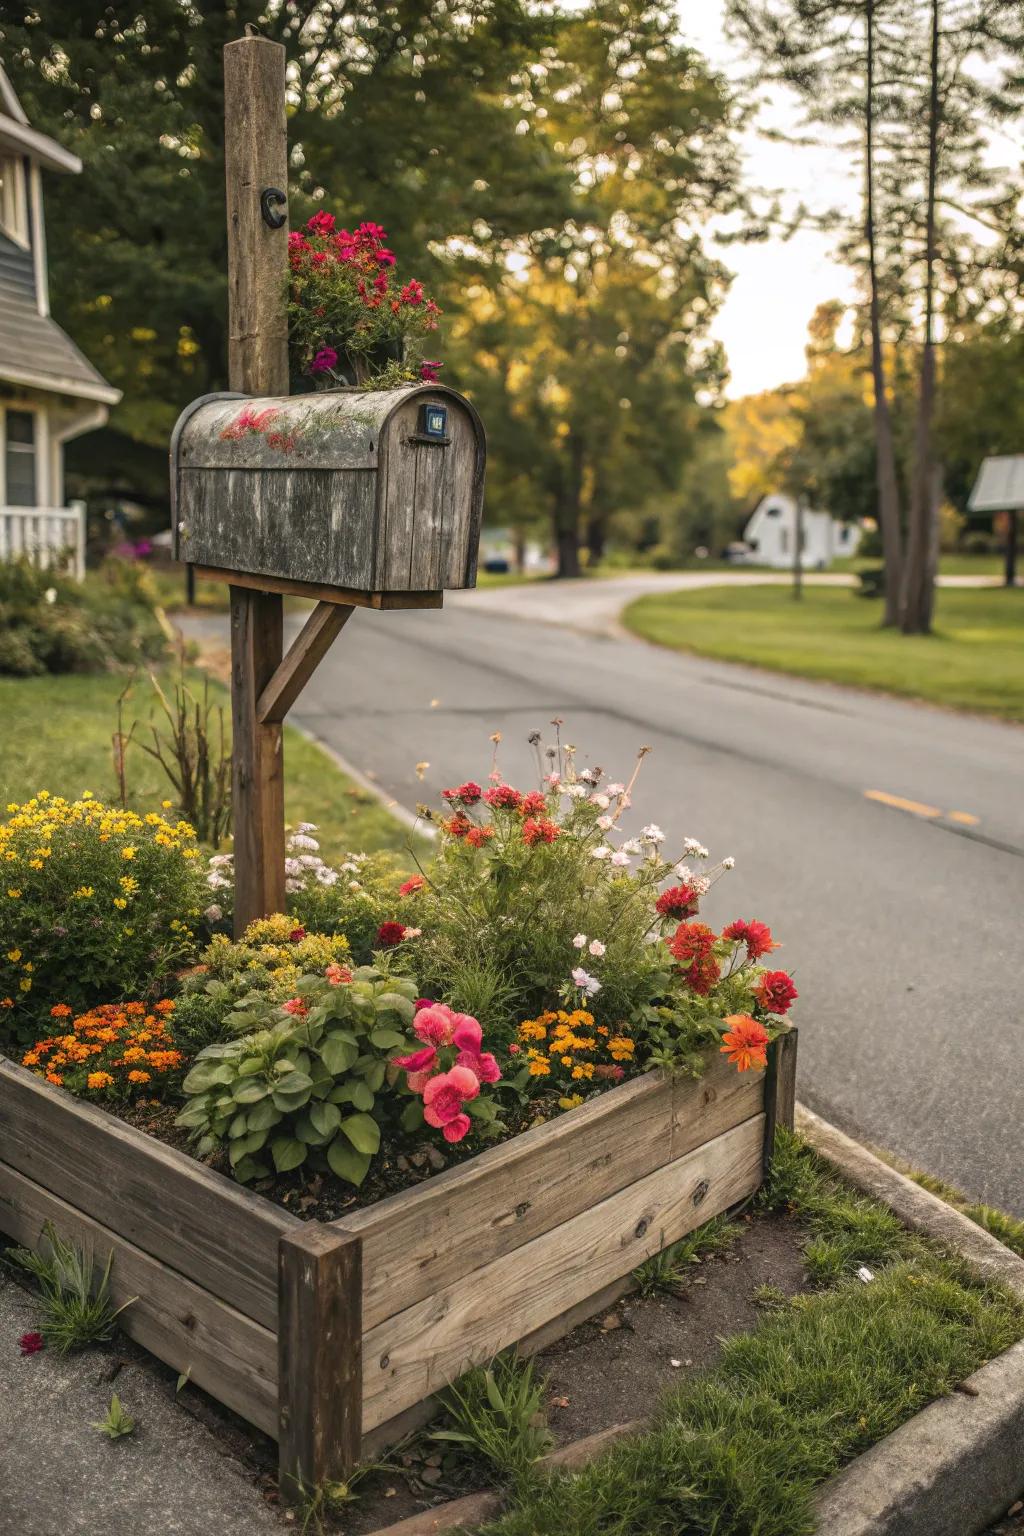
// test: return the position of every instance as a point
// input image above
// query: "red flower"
(390, 934)
(678, 901)
(297, 934)
(321, 223)
(756, 936)
(412, 293)
(31, 1343)
(465, 794)
(384, 257)
(370, 233)
(533, 804)
(539, 830)
(692, 946)
(429, 371)
(296, 1007)
(297, 241)
(457, 825)
(412, 885)
(745, 1042)
(423, 1002)
(476, 837)
(775, 991)
(504, 798)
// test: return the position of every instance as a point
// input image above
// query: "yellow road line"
(915, 807)
(964, 818)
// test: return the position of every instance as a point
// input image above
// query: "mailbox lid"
(336, 429)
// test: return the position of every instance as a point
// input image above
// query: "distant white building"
(770, 536)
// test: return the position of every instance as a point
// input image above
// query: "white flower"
(554, 779)
(601, 801)
(51, 597)
(616, 789)
(620, 858)
(585, 982)
(652, 833)
(596, 948)
(697, 850)
(217, 882)
(575, 791)
(579, 942)
(327, 876)
(602, 851)
(630, 846)
(587, 775)
(354, 885)
(300, 840)
(604, 822)
(729, 863)
(220, 859)
(306, 826)
(213, 914)
(412, 933)
(292, 886)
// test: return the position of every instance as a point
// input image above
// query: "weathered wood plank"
(407, 1357)
(320, 1357)
(224, 1352)
(257, 757)
(416, 1242)
(201, 1224)
(305, 654)
(255, 157)
(319, 593)
(779, 1090)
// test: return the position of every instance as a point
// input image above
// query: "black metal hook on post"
(271, 200)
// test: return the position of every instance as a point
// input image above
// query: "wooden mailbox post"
(351, 498)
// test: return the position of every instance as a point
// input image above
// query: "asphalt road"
(901, 927)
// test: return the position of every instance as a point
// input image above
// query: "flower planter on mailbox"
(370, 491)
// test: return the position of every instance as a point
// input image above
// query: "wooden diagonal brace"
(307, 651)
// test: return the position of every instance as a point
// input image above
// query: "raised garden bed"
(327, 1335)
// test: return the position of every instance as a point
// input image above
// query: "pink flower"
(32, 1343)
(444, 1095)
(419, 1067)
(321, 223)
(423, 1002)
(325, 360)
(456, 1129)
(435, 1024)
(430, 372)
(468, 1036)
(295, 1006)
(412, 293)
(337, 975)
(412, 885)
(371, 232)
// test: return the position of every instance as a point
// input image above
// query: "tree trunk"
(596, 537)
(798, 550)
(885, 453)
(568, 546)
(917, 591)
(567, 510)
(1011, 549)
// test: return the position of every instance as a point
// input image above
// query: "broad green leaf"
(325, 1117)
(361, 1097)
(363, 1132)
(193, 1114)
(412, 1116)
(346, 1162)
(337, 1054)
(206, 1075)
(289, 1101)
(288, 1153)
(374, 1075)
(250, 1065)
(262, 1116)
(386, 1039)
(394, 1002)
(248, 1091)
(293, 1079)
(250, 1168)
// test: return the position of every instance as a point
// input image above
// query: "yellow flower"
(128, 884)
(13, 892)
(14, 955)
(25, 984)
(539, 1068)
(128, 853)
(572, 1102)
(35, 863)
(99, 1080)
(28, 966)
(83, 892)
(165, 805)
(120, 902)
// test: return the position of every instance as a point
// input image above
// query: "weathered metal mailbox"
(367, 491)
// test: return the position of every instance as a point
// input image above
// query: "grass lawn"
(972, 661)
(57, 736)
(742, 1447)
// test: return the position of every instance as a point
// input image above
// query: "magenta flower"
(434, 1025)
(445, 1094)
(32, 1343)
(325, 360)
(321, 223)
(419, 1067)
(429, 371)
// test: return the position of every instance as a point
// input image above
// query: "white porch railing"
(47, 535)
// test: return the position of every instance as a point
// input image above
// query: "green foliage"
(77, 1309)
(497, 1412)
(267, 963)
(95, 906)
(301, 1087)
(50, 623)
(743, 1446)
(670, 1269)
(117, 1423)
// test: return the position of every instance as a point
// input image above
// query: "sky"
(777, 284)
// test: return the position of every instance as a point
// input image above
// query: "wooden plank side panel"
(201, 1224)
(225, 1353)
(421, 1240)
(407, 1357)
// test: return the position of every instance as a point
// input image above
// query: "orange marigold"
(745, 1042)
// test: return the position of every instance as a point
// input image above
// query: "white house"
(49, 392)
(770, 535)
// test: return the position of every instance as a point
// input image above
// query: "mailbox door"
(431, 488)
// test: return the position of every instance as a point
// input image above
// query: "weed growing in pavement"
(117, 1423)
(77, 1309)
(670, 1269)
(497, 1411)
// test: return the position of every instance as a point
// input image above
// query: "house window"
(20, 459)
(13, 206)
